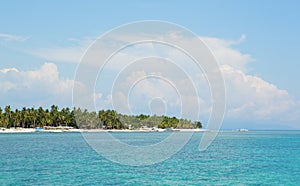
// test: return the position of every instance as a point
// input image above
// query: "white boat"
(243, 130)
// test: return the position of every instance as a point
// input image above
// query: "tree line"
(78, 118)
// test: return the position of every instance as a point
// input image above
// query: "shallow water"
(234, 158)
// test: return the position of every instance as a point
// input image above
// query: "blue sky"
(30, 29)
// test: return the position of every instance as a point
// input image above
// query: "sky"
(255, 42)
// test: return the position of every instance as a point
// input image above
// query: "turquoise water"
(234, 158)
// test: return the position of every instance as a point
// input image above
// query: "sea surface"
(234, 158)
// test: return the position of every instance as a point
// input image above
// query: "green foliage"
(198, 124)
(168, 122)
(143, 117)
(104, 119)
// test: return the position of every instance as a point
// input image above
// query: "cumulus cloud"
(252, 97)
(226, 54)
(42, 86)
(249, 97)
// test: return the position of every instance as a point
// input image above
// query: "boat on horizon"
(243, 130)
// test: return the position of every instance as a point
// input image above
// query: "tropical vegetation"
(78, 118)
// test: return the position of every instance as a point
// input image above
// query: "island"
(79, 120)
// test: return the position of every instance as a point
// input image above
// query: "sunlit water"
(237, 158)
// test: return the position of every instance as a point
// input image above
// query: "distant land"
(83, 119)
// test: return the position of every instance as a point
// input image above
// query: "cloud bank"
(249, 97)
(40, 87)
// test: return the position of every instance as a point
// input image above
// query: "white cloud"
(225, 54)
(249, 97)
(252, 97)
(42, 86)
(6, 70)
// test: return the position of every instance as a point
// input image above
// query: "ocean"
(234, 158)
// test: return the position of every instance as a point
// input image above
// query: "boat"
(243, 130)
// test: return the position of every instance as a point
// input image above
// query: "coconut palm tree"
(54, 115)
(1, 118)
(8, 116)
(16, 118)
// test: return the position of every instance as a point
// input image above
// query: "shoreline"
(33, 130)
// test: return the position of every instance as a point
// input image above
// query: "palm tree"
(8, 115)
(17, 118)
(101, 115)
(47, 118)
(32, 116)
(40, 117)
(54, 115)
(1, 118)
(24, 116)
(68, 117)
